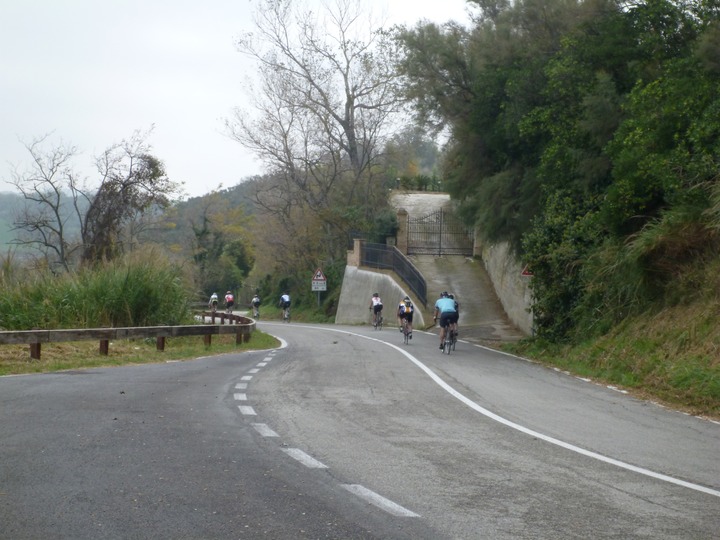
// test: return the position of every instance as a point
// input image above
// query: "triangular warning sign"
(319, 276)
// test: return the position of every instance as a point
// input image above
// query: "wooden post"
(246, 337)
(104, 347)
(238, 337)
(35, 351)
(161, 343)
(207, 339)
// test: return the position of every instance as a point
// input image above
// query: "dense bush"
(140, 290)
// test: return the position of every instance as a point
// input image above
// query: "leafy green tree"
(223, 252)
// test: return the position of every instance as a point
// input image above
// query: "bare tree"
(133, 183)
(67, 221)
(326, 93)
(52, 216)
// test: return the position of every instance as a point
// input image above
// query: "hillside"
(669, 354)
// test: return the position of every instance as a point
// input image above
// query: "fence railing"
(242, 327)
(390, 257)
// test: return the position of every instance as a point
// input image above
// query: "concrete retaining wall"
(359, 285)
(511, 287)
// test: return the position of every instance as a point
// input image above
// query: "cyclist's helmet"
(406, 299)
(375, 295)
(451, 296)
(228, 292)
(444, 294)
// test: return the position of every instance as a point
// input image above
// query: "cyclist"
(405, 311)
(284, 302)
(213, 302)
(376, 306)
(457, 308)
(255, 305)
(229, 301)
(447, 313)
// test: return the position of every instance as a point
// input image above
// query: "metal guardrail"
(391, 258)
(241, 326)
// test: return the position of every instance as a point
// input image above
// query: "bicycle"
(256, 312)
(450, 341)
(286, 314)
(377, 321)
(405, 331)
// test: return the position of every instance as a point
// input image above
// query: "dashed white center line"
(253, 370)
(246, 378)
(262, 364)
(247, 410)
(304, 458)
(379, 501)
(240, 397)
(241, 386)
(264, 430)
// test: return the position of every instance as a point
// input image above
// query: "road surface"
(344, 432)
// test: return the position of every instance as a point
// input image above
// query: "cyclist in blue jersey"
(446, 311)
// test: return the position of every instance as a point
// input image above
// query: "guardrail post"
(161, 343)
(207, 338)
(35, 351)
(104, 346)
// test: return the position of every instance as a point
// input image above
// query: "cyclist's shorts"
(407, 316)
(377, 308)
(448, 317)
(230, 303)
(285, 305)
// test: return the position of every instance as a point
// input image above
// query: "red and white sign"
(319, 281)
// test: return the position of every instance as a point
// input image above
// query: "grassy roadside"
(671, 357)
(15, 359)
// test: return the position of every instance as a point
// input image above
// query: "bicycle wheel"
(406, 334)
(447, 345)
(380, 322)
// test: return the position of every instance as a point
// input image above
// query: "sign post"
(319, 283)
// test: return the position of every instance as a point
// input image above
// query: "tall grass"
(144, 289)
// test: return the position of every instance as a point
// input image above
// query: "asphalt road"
(347, 433)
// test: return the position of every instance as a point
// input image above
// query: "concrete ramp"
(482, 317)
(358, 287)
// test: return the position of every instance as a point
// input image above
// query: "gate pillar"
(402, 233)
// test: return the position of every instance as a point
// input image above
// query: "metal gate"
(439, 233)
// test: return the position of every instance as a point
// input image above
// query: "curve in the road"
(552, 440)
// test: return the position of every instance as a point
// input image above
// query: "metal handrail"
(391, 258)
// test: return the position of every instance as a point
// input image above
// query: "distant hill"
(9, 205)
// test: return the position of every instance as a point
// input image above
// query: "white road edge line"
(582, 451)
(379, 501)
(304, 458)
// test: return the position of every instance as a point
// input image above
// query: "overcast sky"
(91, 72)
